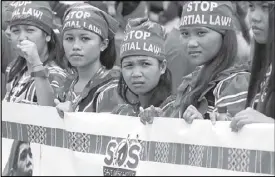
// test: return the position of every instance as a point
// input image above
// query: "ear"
(48, 38)
(104, 44)
(163, 66)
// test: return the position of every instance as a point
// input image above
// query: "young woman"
(88, 41)
(37, 74)
(144, 79)
(261, 96)
(212, 46)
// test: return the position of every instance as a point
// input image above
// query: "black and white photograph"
(191, 83)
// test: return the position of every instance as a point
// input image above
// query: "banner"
(106, 144)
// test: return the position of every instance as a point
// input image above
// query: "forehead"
(24, 26)
(194, 28)
(138, 58)
(23, 147)
(79, 32)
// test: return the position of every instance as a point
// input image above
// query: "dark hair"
(241, 15)
(55, 54)
(224, 59)
(16, 154)
(108, 56)
(159, 93)
(128, 6)
(263, 55)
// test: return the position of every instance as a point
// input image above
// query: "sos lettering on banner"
(25, 11)
(139, 40)
(200, 12)
(78, 19)
(122, 157)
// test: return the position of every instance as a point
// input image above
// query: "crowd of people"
(184, 59)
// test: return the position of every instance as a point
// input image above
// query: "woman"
(260, 98)
(37, 74)
(144, 79)
(88, 41)
(211, 45)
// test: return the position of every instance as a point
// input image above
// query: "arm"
(231, 93)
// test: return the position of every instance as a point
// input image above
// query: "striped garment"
(23, 91)
(228, 90)
(91, 98)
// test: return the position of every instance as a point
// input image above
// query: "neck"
(145, 99)
(87, 72)
(44, 54)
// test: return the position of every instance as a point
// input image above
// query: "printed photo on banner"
(20, 160)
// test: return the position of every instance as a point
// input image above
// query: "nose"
(192, 43)
(136, 72)
(76, 45)
(255, 15)
(22, 36)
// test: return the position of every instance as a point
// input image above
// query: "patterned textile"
(243, 160)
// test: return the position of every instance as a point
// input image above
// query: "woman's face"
(200, 44)
(258, 17)
(81, 47)
(28, 32)
(141, 73)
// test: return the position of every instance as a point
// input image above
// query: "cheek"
(126, 74)
(212, 46)
(91, 49)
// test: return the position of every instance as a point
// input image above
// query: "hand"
(248, 116)
(28, 50)
(148, 114)
(63, 107)
(215, 116)
(191, 113)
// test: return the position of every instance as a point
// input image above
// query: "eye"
(128, 65)
(251, 6)
(146, 64)
(184, 33)
(30, 30)
(85, 38)
(265, 7)
(202, 33)
(69, 38)
(14, 30)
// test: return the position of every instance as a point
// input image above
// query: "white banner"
(106, 144)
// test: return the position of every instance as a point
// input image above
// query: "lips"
(76, 55)
(194, 52)
(137, 83)
(255, 28)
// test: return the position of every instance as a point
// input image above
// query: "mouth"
(137, 83)
(194, 53)
(255, 28)
(76, 55)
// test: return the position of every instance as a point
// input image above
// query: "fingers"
(213, 117)
(56, 102)
(141, 115)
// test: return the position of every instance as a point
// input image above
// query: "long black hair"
(224, 59)
(55, 54)
(158, 94)
(263, 56)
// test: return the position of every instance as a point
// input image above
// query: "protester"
(260, 98)
(20, 162)
(211, 45)
(144, 79)
(36, 75)
(88, 41)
